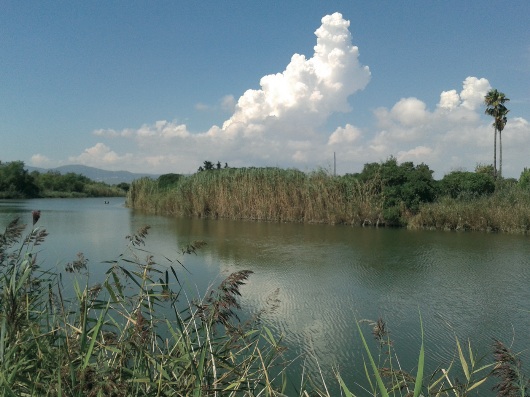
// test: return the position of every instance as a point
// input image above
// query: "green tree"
(15, 181)
(494, 101)
(467, 185)
(404, 186)
(524, 179)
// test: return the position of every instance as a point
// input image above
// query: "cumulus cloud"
(286, 122)
(346, 135)
(99, 155)
(228, 103)
(278, 124)
(308, 90)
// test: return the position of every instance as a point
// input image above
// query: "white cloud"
(449, 100)
(99, 155)
(410, 112)
(286, 122)
(346, 135)
(39, 160)
(416, 154)
(474, 91)
(308, 90)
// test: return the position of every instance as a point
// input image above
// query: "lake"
(469, 285)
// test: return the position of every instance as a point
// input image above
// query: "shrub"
(524, 179)
(461, 184)
(168, 180)
(404, 186)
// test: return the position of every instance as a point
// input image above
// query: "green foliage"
(524, 179)
(461, 184)
(55, 184)
(494, 102)
(271, 194)
(485, 169)
(168, 180)
(15, 181)
(404, 186)
(124, 186)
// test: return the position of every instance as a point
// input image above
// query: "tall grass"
(507, 210)
(134, 334)
(269, 194)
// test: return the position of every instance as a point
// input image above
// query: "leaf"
(421, 364)
(95, 333)
(377, 376)
(344, 388)
(463, 362)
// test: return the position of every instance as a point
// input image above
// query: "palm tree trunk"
(500, 154)
(495, 154)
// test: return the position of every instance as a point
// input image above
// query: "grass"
(129, 335)
(507, 210)
(138, 333)
(266, 194)
(288, 195)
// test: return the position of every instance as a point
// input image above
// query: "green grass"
(288, 195)
(266, 194)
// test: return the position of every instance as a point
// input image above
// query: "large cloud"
(279, 124)
(286, 123)
(308, 90)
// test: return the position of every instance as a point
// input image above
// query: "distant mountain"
(96, 174)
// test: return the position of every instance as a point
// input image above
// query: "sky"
(160, 87)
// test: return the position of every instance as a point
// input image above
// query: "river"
(474, 286)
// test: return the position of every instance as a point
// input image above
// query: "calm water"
(472, 285)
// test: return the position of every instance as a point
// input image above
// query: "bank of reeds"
(507, 210)
(288, 195)
(138, 333)
(268, 194)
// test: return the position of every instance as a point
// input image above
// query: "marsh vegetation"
(386, 193)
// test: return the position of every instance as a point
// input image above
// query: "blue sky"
(162, 86)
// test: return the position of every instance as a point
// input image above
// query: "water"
(469, 285)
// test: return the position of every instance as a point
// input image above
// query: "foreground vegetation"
(138, 333)
(385, 193)
(16, 182)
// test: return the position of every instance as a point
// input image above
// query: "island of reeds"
(382, 194)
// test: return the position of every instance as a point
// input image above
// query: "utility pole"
(334, 164)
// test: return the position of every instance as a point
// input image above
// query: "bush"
(168, 180)
(404, 186)
(462, 184)
(524, 179)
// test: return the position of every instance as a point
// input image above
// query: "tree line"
(17, 182)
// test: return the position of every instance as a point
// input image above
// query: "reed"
(507, 210)
(134, 334)
(267, 194)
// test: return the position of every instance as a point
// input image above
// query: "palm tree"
(494, 101)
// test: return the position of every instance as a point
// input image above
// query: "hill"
(97, 174)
